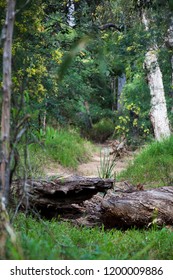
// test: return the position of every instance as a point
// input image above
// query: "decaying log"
(138, 208)
(59, 194)
(82, 201)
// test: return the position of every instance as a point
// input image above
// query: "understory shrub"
(102, 130)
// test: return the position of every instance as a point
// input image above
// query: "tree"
(158, 112)
(5, 119)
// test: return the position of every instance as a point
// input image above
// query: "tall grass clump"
(107, 165)
(65, 147)
(153, 165)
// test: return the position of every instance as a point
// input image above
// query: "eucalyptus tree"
(7, 35)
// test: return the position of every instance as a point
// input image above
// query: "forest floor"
(89, 169)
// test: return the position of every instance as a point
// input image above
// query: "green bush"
(102, 130)
(153, 165)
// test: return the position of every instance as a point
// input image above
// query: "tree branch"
(110, 25)
(19, 10)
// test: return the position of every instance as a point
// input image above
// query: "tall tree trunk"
(158, 112)
(71, 10)
(121, 84)
(6, 100)
(5, 120)
(117, 85)
(169, 44)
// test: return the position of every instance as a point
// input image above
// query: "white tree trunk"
(169, 44)
(117, 85)
(121, 84)
(71, 10)
(158, 112)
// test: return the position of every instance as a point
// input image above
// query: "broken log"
(57, 196)
(138, 208)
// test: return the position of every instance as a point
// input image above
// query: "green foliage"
(32, 160)
(102, 130)
(133, 121)
(153, 165)
(52, 240)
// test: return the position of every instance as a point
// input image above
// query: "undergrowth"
(63, 146)
(66, 147)
(47, 240)
(153, 165)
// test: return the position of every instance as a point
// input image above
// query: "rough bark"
(58, 196)
(169, 44)
(5, 123)
(6, 100)
(138, 208)
(158, 112)
(82, 201)
(5, 228)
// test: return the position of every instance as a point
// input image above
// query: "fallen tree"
(54, 197)
(95, 201)
(138, 208)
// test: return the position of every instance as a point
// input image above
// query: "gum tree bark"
(158, 112)
(169, 44)
(5, 121)
(6, 99)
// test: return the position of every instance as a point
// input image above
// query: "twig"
(19, 10)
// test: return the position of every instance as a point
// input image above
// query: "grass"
(107, 165)
(153, 165)
(60, 240)
(63, 146)
(66, 147)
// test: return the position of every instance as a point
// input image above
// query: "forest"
(86, 144)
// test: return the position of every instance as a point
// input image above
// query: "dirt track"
(90, 168)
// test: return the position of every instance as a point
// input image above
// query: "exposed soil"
(88, 212)
(90, 168)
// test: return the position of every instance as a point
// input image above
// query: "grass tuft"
(107, 165)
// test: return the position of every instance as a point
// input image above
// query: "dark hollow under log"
(58, 196)
(138, 208)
